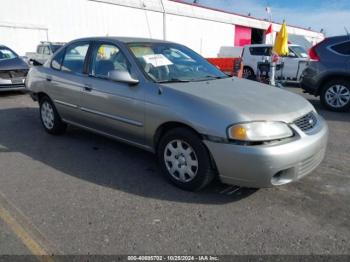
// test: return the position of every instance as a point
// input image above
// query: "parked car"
(293, 64)
(328, 73)
(43, 52)
(167, 99)
(13, 70)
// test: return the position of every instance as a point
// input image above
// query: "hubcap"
(181, 160)
(47, 115)
(337, 96)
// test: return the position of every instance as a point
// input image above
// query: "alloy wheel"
(337, 96)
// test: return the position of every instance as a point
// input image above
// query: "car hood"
(13, 64)
(248, 99)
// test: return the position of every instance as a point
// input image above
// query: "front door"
(108, 106)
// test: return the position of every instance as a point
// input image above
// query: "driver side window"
(107, 58)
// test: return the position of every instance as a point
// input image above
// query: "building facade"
(207, 31)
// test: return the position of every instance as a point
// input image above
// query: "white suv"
(293, 66)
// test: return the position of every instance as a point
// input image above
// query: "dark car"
(13, 70)
(328, 73)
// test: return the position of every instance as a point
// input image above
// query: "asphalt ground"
(81, 193)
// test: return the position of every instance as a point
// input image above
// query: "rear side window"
(260, 51)
(343, 48)
(57, 60)
(74, 58)
(46, 50)
(40, 49)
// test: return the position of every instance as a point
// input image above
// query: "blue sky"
(331, 15)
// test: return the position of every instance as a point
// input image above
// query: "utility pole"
(164, 21)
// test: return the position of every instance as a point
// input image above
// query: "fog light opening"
(283, 177)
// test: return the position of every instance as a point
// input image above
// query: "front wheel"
(335, 95)
(50, 118)
(184, 159)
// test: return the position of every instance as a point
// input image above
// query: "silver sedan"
(167, 99)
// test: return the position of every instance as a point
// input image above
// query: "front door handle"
(88, 88)
(48, 78)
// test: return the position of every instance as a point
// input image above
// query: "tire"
(335, 95)
(248, 73)
(185, 160)
(50, 118)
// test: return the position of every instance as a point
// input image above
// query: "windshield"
(167, 62)
(54, 48)
(6, 54)
(299, 51)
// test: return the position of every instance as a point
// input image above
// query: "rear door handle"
(48, 78)
(87, 88)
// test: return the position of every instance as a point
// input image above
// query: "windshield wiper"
(210, 77)
(174, 80)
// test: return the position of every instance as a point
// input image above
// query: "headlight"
(259, 131)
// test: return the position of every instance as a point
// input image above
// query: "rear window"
(343, 48)
(260, 51)
(40, 49)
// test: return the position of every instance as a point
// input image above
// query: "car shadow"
(12, 93)
(100, 160)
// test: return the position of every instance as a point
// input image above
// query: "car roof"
(339, 38)
(126, 40)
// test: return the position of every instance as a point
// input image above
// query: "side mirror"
(122, 76)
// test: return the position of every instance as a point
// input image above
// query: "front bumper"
(270, 165)
(13, 84)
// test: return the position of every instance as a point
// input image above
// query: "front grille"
(8, 74)
(307, 122)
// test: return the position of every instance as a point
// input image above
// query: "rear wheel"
(50, 118)
(335, 95)
(184, 159)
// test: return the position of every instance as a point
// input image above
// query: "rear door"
(66, 79)
(112, 107)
